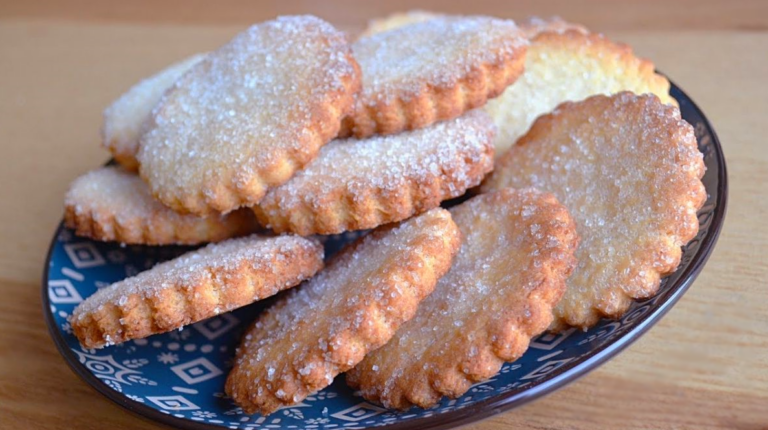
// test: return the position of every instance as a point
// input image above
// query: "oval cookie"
(358, 184)
(430, 71)
(249, 115)
(197, 285)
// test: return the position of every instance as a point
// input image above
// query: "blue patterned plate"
(178, 378)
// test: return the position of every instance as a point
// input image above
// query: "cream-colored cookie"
(565, 63)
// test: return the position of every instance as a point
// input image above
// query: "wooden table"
(705, 365)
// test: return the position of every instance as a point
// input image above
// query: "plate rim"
(483, 409)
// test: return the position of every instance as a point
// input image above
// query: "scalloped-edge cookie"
(360, 184)
(431, 71)
(124, 119)
(249, 115)
(565, 63)
(197, 285)
(516, 253)
(354, 306)
(629, 170)
(111, 204)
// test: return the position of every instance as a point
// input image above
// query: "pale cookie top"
(197, 268)
(248, 115)
(438, 52)
(565, 63)
(628, 168)
(517, 250)
(124, 119)
(352, 307)
(448, 149)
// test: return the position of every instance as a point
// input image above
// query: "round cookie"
(197, 285)
(249, 115)
(329, 324)
(112, 204)
(359, 184)
(430, 71)
(629, 170)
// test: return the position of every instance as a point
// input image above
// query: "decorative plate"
(178, 378)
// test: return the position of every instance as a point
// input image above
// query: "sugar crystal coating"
(517, 250)
(628, 168)
(197, 285)
(112, 204)
(439, 51)
(326, 326)
(359, 184)
(249, 115)
(432, 70)
(125, 118)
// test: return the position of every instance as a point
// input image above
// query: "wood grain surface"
(705, 365)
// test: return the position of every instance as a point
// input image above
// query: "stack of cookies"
(585, 185)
